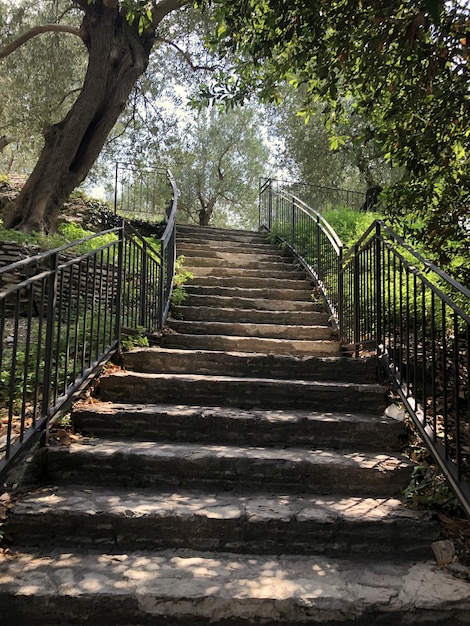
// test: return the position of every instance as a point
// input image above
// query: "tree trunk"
(204, 216)
(117, 57)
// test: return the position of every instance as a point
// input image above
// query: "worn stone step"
(257, 365)
(213, 314)
(250, 282)
(121, 386)
(207, 233)
(242, 259)
(233, 261)
(251, 293)
(224, 521)
(173, 588)
(212, 467)
(267, 345)
(212, 247)
(212, 424)
(241, 302)
(286, 272)
(239, 329)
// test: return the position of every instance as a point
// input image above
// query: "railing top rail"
(43, 255)
(269, 181)
(326, 227)
(135, 233)
(357, 246)
(429, 267)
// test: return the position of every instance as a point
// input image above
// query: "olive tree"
(118, 38)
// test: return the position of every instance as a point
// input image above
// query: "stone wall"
(76, 281)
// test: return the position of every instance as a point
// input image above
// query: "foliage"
(31, 239)
(73, 232)
(428, 488)
(39, 81)
(307, 152)
(68, 233)
(400, 64)
(349, 224)
(181, 278)
(137, 340)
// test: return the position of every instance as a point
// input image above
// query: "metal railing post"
(116, 180)
(293, 223)
(356, 299)
(49, 343)
(143, 285)
(161, 291)
(270, 206)
(318, 244)
(340, 295)
(120, 282)
(378, 287)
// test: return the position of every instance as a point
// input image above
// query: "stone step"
(266, 345)
(242, 259)
(136, 464)
(207, 233)
(233, 261)
(212, 424)
(250, 282)
(222, 522)
(286, 272)
(192, 248)
(238, 329)
(213, 314)
(170, 588)
(292, 295)
(248, 393)
(256, 365)
(241, 302)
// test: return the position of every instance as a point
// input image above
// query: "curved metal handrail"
(326, 226)
(313, 242)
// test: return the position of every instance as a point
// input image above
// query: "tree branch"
(4, 141)
(186, 56)
(162, 8)
(34, 32)
(65, 96)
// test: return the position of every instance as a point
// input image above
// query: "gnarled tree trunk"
(118, 55)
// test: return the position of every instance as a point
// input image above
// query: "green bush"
(350, 225)
(180, 279)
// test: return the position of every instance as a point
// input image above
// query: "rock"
(444, 551)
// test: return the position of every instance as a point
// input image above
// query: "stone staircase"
(242, 472)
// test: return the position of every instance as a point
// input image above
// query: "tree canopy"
(399, 66)
(402, 64)
(118, 38)
(218, 167)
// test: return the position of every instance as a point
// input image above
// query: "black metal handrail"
(418, 318)
(310, 238)
(317, 196)
(62, 313)
(388, 298)
(168, 254)
(141, 192)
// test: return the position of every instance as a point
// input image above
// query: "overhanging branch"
(163, 8)
(34, 32)
(187, 57)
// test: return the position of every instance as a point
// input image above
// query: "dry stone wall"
(74, 282)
